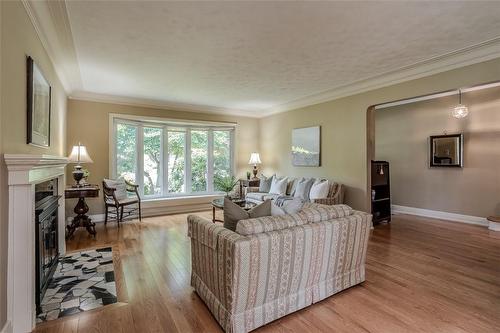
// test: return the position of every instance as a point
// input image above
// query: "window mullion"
(164, 161)
(210, 162)
(187, 172)
(232, 148)
(140, 158)
(114, 167)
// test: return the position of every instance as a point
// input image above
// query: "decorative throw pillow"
(303, 188)
(292, 206)
(234, 213)
(319, 190)
(265, 183)
(120, 187)
(278, 186)
(276, 210)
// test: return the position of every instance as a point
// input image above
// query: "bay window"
(171, 159)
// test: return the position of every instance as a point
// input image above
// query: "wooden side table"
(81, 208)
(254, 182)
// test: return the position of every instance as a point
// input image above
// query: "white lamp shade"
(79, 155)
(254, 159)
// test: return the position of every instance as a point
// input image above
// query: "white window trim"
(141, 121)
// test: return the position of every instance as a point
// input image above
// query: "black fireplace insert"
(46, 236)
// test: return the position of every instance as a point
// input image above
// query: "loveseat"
(275, 265)
(335, 194)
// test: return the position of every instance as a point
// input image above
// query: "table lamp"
(79, 156)
(254, 159)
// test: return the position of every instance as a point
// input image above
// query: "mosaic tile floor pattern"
(82, 281)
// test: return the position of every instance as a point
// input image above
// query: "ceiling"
(256, 58)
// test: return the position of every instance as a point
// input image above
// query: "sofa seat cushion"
(259, 196)
(269, 223)
(318, 213)
(271, 196)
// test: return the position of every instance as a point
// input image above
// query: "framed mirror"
(446, 150)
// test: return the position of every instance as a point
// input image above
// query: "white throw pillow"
(319, 190)
(278, 186)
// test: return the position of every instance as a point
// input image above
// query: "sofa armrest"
(208, 233)
(335, 195)
(212, 262)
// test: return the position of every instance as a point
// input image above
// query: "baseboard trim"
(155, 211)
(440, 215)
(7, 327)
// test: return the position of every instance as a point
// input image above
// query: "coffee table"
(219, 203)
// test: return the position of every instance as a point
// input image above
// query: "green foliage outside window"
(199, 160)
(126, 151)
(174, 148)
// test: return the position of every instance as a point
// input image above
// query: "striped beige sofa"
(335, 194)
(272, 266)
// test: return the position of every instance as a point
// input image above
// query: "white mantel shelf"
(24, 171)
(29, 169)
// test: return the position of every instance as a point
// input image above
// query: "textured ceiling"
(259, 55)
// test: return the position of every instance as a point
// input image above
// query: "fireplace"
(46, 236)
(36, 214)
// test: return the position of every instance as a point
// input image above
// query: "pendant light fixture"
(460, 111)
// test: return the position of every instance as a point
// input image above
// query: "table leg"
(81, 219)
(213, 214)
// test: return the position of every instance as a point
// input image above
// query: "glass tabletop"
(219, 203)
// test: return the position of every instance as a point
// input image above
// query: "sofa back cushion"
(290, 187)
(234, 213)
(318, 213)
(269, 223)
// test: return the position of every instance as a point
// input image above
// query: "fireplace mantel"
(24, 171)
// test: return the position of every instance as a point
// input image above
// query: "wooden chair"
(116, 196)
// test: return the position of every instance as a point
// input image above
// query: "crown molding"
(51, 23)
(474, 54)
(156, 104)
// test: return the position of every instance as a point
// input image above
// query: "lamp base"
(254, 171)
(78, 175)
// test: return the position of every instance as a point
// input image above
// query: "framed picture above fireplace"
(38, 106)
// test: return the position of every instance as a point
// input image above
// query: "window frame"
(164, 123)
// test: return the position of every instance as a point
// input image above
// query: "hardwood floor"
(422, 275)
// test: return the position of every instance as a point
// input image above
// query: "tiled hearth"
(82, 281)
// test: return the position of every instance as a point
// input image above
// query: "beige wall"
(19, 39)
(402, 138)
(88, 123)
(344, 128)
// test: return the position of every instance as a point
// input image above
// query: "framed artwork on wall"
(306, 146)
(38, 106)
(446, 150)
